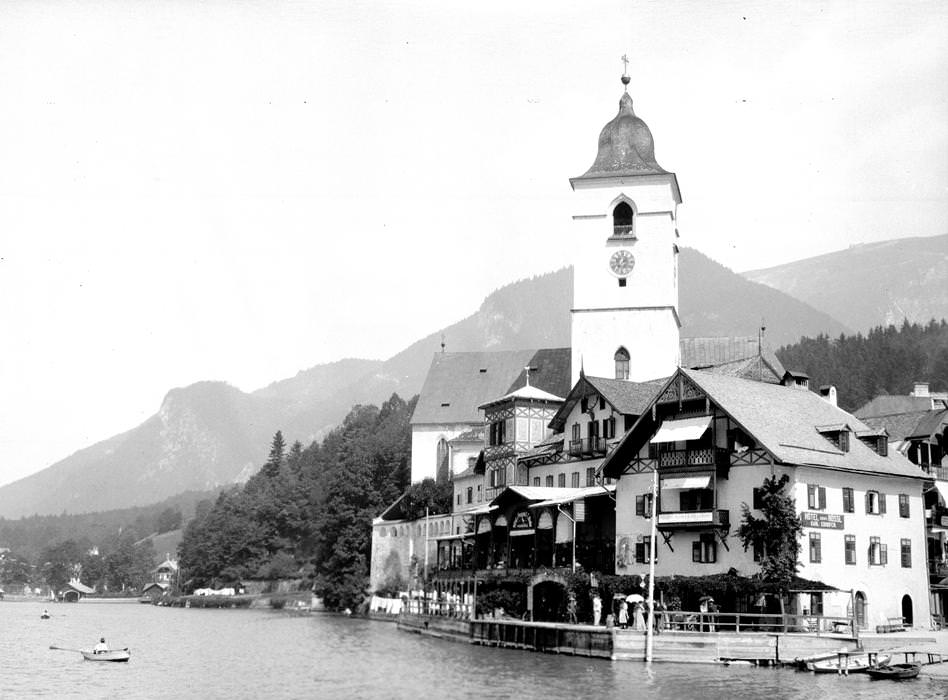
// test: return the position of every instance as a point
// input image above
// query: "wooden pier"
(761, 648)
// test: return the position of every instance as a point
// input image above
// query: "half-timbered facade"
(713, 439)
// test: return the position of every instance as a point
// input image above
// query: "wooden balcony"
(935, 472)
(693, 519)
(594, 446)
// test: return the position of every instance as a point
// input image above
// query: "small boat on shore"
(894, 672)
(857, 663)
(118, 655)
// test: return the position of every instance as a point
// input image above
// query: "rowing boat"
(858, 663)
(111, 655)
(895, 672)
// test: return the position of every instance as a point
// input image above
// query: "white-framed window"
(816, 553)
(906, 546)
(850, 549)
(816, 497)
(704, 550)
(875, 503)
(878, 552)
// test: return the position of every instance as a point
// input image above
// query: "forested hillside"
(108, 550)
(308, 511)
(884, 361)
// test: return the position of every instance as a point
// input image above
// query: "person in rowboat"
(101, 647)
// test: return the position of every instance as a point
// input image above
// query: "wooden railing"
(705, 456)
(693, 518)
(683, 621)
(587, 446)
(935, 471)
(443, 608)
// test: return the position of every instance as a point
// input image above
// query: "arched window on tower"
(622, 220)
(622, 363)
(442, 472)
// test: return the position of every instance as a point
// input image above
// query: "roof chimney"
(921, 390)
(828, 392)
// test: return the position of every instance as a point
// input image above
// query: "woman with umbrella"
(638, 618)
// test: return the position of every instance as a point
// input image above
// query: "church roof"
(459, 382)
(626, 147)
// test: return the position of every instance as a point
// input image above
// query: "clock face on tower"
(621, 263)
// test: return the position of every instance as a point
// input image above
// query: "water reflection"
(261, 654)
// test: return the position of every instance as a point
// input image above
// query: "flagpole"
(649, 640)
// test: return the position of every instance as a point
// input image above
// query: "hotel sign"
(827, 521)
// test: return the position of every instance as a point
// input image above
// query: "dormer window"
(877, 441)
(622, 363)
(622, 221)
(836, 434)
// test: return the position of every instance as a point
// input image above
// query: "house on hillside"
(917, 427)
(713, 439)
(166, 572)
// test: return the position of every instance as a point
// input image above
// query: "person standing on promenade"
(623, 615)
(639, 617)
(597, 609)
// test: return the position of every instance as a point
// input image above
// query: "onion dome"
(626, 146)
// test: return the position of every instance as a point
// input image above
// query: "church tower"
(625, 273)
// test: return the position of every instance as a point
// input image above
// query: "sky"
(238, 191)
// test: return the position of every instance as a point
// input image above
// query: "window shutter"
(822, 498)
(868, 503)
(882, 503)
(696, 551)
(714, 551)
(885, 554)
(639, 553)
(640, 505)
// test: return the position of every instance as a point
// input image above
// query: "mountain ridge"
(870, 284)
(210, 433)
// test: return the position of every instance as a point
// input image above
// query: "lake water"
(178, 653)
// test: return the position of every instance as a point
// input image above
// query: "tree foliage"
(885, 361)
(776, 534)
(308, 512)
(428, 496)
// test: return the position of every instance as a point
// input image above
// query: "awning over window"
(942, 487)
(683, 429)
(685, 483)
(517, 533)
(568, 495)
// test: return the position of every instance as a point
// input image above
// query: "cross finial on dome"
(625, 71)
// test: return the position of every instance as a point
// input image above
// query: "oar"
(53, 646)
